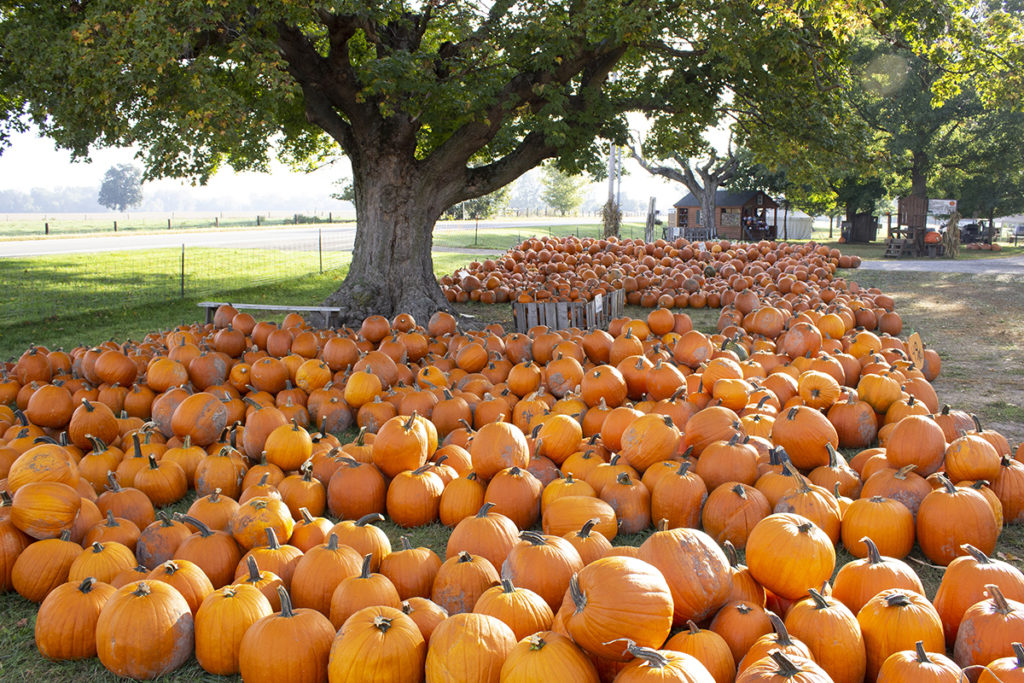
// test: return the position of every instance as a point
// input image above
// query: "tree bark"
(708, 207)
(392, 270)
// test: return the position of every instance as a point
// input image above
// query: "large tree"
(562, 192)
(434, 102)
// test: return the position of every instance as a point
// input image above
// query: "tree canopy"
(562, 192)
(433, 102)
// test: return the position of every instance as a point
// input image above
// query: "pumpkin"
(366, 589)
(425, 613)
(569, 513)
(496, 446)
(987, 629)
(887, 522)
(144, 630)
(43, 566)
(461, 580)
(678, 497)
(380, 643)
(66, 622)
(787, 554)
(662, 665)
(103, 561)
(468, 647)
(803, 433)
(781, 667)
(260, 658)
(895, 620)
(411, 570)
(158, 541)
(488, 534)
(918, 665)
(732, 510)
(833, 634)
(860, 580)
(695, 569)
(364, 537)
(963, 584)
(220, 622)
(601, 595)
(44, 509)
(215, 551)
(950, 516)
(1005, 669)
(522, 610)
(709, 648)
(589, 543)
(545, 655)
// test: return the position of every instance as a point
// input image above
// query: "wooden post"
(320, 248)
(115, 226)
(168, 223)
(216, 221)
(182, 271)
(258, 218)
(46, 229)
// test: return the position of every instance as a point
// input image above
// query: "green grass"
(131, 320)
(20, 227)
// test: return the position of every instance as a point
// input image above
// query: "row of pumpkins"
(730, 439)
(675, 274)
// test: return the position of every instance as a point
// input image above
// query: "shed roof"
(725, 198)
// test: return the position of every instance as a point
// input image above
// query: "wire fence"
(46, 287)
(42, 224)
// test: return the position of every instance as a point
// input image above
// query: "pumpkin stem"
(254, 569)
(533, 537)
(897, 600)
(684, 468)
(1002, 606)
(410, 422)
(152, 462)
(731, 554)
(87, 584)
(946, 483)
(110, 519)
(922, 656)
(578, 598)
(142, 589)
(381, 623)
(819, 600)
(787, 669)
(874, 557)
(286, 603)
(5, 499)
(371, 517)
(272, 541)
(204, 530)
(654, 659)
(1018, 650)
(484, 509)
(587, 527)
(136, 446)
(306, 516)
(536, 642)
(740, 491)
(506, 585)
(623, 479)
(693, 628)
(782, 636)
(465, 556)
(902, 472)
(978, 555)
(404, 540)
(977, 423)
(112, 483)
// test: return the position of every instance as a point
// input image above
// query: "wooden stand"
(561, 315)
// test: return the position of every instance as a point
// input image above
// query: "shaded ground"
(974, 321)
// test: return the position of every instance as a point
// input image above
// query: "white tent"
(797, 225)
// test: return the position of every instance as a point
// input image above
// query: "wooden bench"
(328, 312)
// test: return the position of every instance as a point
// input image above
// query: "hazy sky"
(32, 161)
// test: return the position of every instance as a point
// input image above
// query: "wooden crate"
(561, 315)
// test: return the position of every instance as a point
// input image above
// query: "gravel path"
(1013, 265)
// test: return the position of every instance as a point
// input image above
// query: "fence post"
(330, 216)
(182, 271)
(115, 226)
(320, 248)
(216, 221)
(258, 220)
(296, 221)
(168, 223)
(46, 231)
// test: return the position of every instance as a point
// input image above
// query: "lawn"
(102, 278)
(20, 226)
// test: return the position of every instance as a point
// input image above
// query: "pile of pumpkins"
(676, 274)
(537, 450)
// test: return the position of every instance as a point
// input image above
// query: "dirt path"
(1013, 265)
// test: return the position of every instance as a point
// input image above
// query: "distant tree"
(122, 187)
(562, 192)
(525, 192)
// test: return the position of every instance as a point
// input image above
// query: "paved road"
(1013, 265)
(336, 237)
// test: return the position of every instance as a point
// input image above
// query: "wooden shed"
(740, 215)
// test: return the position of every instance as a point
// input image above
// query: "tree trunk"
(708, 208)
(392, 270)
